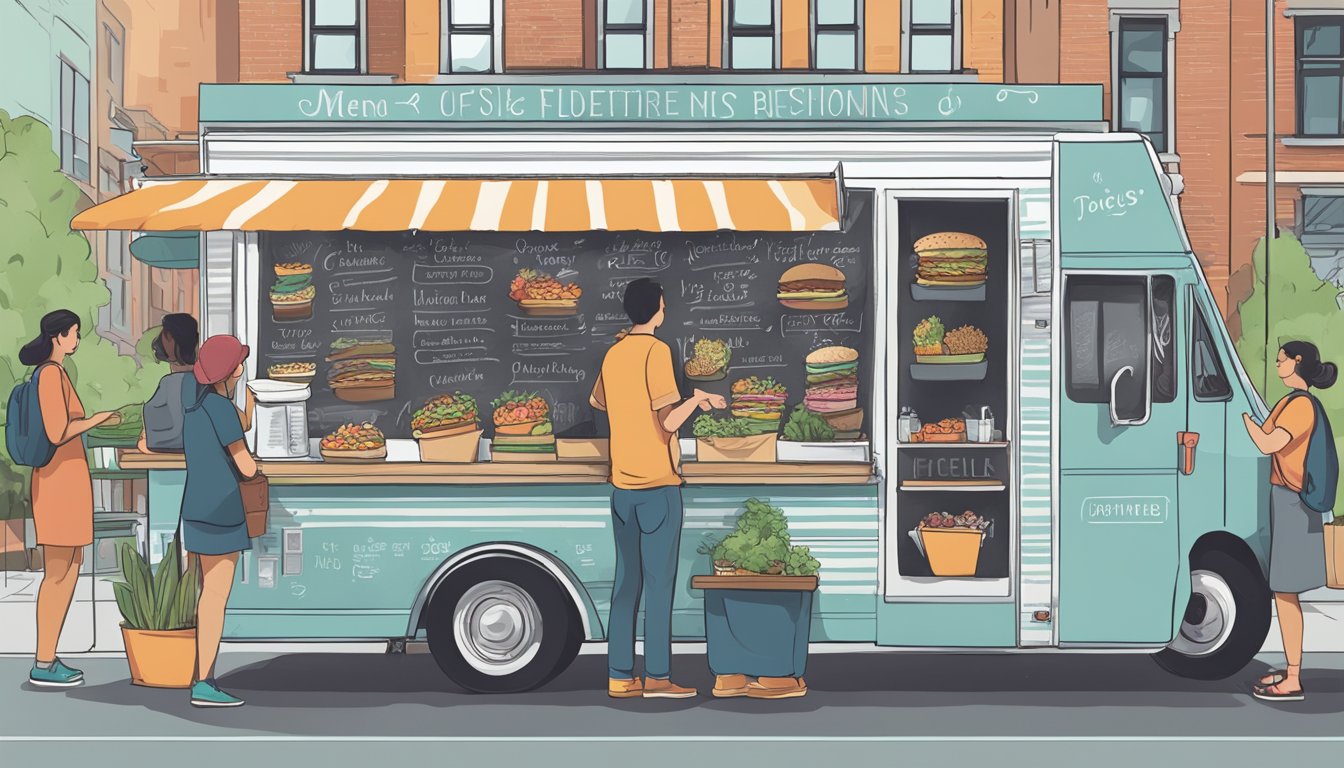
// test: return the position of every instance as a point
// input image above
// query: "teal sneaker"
(205, 693)
(58, 676)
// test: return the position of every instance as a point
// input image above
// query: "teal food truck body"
(1069, 381)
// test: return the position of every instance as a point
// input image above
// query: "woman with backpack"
(1297, 537)
(175, 345)
(214, 525)
(62, 490)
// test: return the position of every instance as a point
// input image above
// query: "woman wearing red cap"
(214, 526)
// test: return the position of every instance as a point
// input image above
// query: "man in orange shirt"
(638, 391)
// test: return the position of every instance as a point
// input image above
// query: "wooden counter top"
(512, 473)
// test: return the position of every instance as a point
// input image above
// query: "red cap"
(218, 358)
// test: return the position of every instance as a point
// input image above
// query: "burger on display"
(833, 389)
(951, 259)
(813, 287)
(293, 292)
(362, 370)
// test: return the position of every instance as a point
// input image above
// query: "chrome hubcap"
(1209, 618)
(497, 627)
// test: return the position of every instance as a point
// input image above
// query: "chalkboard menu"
(438, 311)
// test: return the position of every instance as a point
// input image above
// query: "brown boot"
(776, 688)
(666, 689)
(729, 686)
(625, 689)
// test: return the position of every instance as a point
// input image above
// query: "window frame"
(117, 262)
(1118, 74)
(360, 29)
(909, 31)
(818, 29)
(1199, 324)
(70, 127)
(495, 29)
(604, 27)
(116, 59)
(1103, 386)
(772, 31)
(1300, 22)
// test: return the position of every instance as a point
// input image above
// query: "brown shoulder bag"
(256, 492)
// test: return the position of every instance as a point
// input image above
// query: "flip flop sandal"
(1264, 694)
(1275, 676)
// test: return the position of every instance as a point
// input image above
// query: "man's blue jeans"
(648, 535)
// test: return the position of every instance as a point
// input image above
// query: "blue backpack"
(25, 436)
(1321, 478)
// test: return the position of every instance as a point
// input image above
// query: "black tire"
(1251, 596)
(560, 631)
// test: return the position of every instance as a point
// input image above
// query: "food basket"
(582, 449)
(951, 551)
(355, 457)
(763, 448)
(924, 437)
(438, 448)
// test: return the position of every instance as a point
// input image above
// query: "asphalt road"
(873, 697)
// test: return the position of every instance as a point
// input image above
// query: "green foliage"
(805, 426)
(1302, 306)
(761, 542)
(706, 425)
(161, 600)
(46, 266)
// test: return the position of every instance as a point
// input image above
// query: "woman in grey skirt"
(1297, 537)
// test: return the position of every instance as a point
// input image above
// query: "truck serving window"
(1106, 328)
(1207, 376)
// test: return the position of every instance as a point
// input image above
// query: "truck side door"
(1122, 406)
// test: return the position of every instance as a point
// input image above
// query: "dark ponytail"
(186, 337)
(1316, 373)
(53, 324)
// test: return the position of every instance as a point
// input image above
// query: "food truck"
(969, 351)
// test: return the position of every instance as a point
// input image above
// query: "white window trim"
(363, 21)
(777, 36)
(957, 64)
(1173, 19)
(496, 40)
(602, 35)
(91, 161)
(858, 38)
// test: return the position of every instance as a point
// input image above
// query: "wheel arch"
(1231, 544)
(581, 600)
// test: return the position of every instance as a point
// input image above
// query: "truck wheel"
(502, 625)
(1225, 622)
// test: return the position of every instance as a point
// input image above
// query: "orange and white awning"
(491, 205)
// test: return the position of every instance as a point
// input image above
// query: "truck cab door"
(1122, 406)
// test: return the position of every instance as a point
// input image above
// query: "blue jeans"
(647, 525)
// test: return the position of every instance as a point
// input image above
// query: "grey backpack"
(164, 414)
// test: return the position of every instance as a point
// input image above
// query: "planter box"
(161, 659)
(762, 448)
(952, 551)
(757, 625)
(846, 452)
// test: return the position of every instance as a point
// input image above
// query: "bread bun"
(830, 355)
(812, 271)
(940, 240)
(815, 305)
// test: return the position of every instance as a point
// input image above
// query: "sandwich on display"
(833, 389)
(354, 442)
(759, 403)
(709, 361)
(362, 370)
(951, 260)
(541, 295)
(301, 372)
(813, 287)
(523, 429)
(293, 292)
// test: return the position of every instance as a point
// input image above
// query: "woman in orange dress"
(62, 490)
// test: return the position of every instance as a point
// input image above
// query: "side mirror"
(1129, 404)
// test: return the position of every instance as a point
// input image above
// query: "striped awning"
(491, 205)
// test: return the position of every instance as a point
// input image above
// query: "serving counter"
(316, 472)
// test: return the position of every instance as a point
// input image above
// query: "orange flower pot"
(952, 551)
(161, 659)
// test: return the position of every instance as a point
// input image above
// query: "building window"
(335, 36)
(1141, 77)
(752, 31)
(1320, 75)
(837, 42)
(625, 33)
(115, 61)
(931, 35)
(469, 44)
(118, 280)
(74, 122)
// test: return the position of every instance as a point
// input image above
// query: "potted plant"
(158, 611)
(758, 606)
